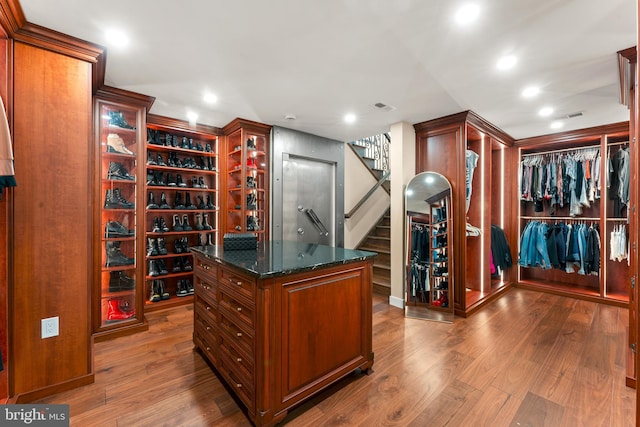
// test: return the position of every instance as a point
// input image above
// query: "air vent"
(384, 107)
(572, 115)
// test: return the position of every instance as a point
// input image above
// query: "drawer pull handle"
(239, 308)
(208, 308)
(239, 359)
(239, 385)
(238, 334)
(208, 328)
(235, 282)
(208, 348)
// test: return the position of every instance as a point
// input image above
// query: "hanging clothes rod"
(567, 218)
(564, 150)
(618, 143)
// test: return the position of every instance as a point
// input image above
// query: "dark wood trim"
(181, 125)
(570, 293)
(630, 53)
(470, 118)
(113, 94)
(245, 124)
(57, 388)
(468, 311)
(574, 135)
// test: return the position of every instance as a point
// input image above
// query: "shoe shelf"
(118, 305)
(181, 206)
(246, 165)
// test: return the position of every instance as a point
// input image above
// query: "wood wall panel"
(5, 49)
(51, 219)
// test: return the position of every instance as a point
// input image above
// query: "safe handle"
(316, 221)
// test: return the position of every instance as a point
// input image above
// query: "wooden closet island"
(283, 322)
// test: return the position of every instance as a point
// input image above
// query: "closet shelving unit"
(181, 164)
(611, 285)
(118, 294)
(441, 146)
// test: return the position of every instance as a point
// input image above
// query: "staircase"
(379, 240)
(374, 153)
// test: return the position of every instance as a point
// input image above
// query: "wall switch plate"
(50, 327)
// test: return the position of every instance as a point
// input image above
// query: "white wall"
(357, 182)
(402, 159)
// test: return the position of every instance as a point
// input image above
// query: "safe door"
(308, 200)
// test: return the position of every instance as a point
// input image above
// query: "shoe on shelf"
(116, 229)
(119, 281)
(115, 257)
(116, 118)
(155, 294)
(182, 290)
(118, 171)
(115, 144)
(119, 309)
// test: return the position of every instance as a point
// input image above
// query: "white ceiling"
(321, 59)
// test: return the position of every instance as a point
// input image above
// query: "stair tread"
(381, 250)
(384, 266)
(378, 237)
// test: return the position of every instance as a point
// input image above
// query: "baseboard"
(33, 395)
(396, 302)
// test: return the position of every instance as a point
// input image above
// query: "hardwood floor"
(527, 359)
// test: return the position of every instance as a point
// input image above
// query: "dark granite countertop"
(279, 257)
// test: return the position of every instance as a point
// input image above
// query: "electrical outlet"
(50, 327)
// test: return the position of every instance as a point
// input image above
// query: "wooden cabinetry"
(594, 151)
(442, 146)
(246, 167)
(181, 200)
(278, 340)
(119, 159)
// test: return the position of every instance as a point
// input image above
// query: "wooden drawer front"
(237, 310)
(205, 306)
(238, 284)
(206, 320)
(207, 346)
(242, 387)
(206, 266)
(204, 288)
(235, 359)
(241, 336)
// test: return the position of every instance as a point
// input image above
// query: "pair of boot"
(252, 201)
(442, 301)
(181, 224)
(158, 291)
(202, 222)
(118, 171)
(203, 205)
(115, 257)
(205, 239)
(115, 144)
(119, 281)
(155, 178)
(155, 159)
(119, 309)
(251, 144)
(157, 267)
(151, 202)
(178, 182)
(198, 182)
(206, 163)
(156, 246)
(114, 199)
(184, 288)
(181, 245)
(159, 225)
(181, 264)
(179, 204)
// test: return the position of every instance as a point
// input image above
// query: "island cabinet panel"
(279, 328)
(322, 322)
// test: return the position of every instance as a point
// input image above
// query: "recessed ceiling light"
(506, 62)
(545, 111)
(210, 98)
(350, 118)
(192, 117)
(557, 124)
(530, 91)
(467, 13)
(117, 38)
